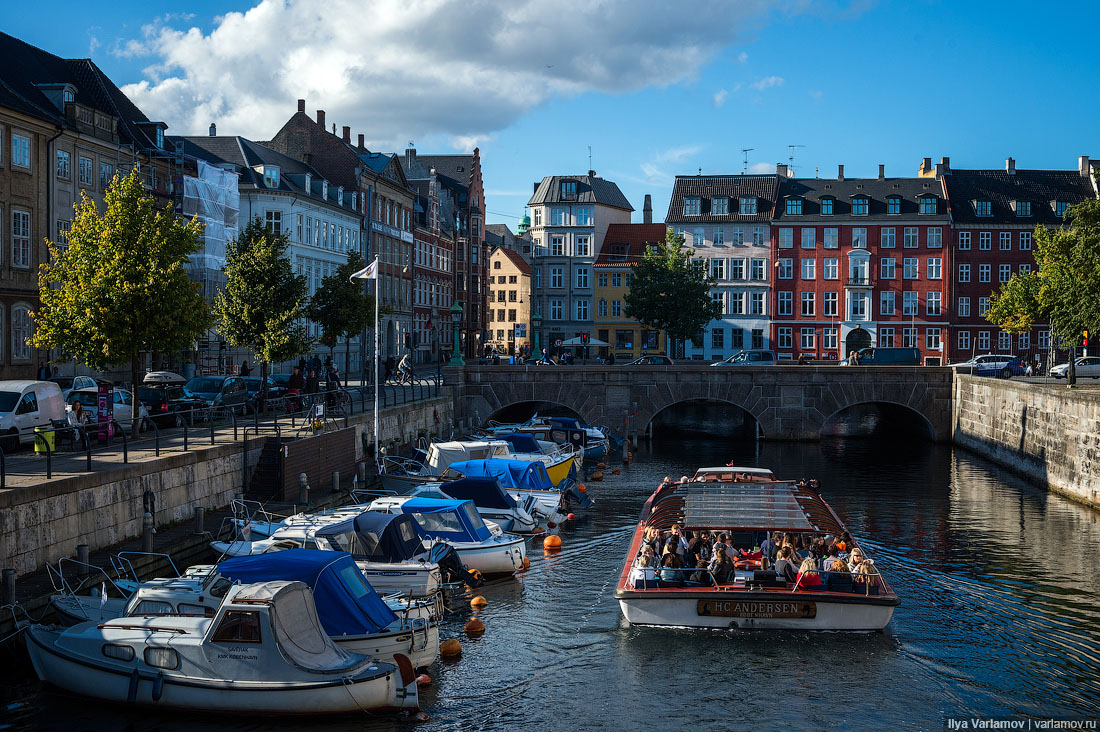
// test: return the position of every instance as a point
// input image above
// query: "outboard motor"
(570, 495)
(452, 568)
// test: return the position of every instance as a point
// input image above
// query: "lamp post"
(456, 318)
(536, 323)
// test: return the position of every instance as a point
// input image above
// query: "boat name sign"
(744, 609)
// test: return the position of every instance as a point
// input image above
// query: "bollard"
(335, 481)
(200, 518)
(82, 557)
(7, 588)
(147, 532)
(361, 472)
(303, 489)
(626, 451)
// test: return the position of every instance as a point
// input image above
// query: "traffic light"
(408, 341)
(1086, 338)
(585, 337)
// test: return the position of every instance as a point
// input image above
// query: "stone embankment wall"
(1048, 433)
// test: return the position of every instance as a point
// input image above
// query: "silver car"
(1085, 366)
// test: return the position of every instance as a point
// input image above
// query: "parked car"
(987, 362)
(68, 383)
(25, 405)
(651, 361)
(252, 384)
(887, 357)
(1085, 366)
(122, 407)
(219, 391)
(162, 394)
(748, 358)
(1005, 369)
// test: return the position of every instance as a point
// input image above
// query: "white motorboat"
(263, 652)
(748, 504)
(491, 500)
(480, 545)
(591, 441)
(399, 474)
(523, 480)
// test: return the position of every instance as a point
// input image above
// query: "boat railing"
(92, 574)
(867, 584)
(396, 465)
(253, 511)
(122, 564)
(366, 495)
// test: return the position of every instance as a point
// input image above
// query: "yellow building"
(509, 307)
(623, 246)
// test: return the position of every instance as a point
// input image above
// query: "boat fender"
(158, 686)
(571, 517)
(422, 717)
(601, 466)
(552, 542)
(450, 648)
(616, 471)
(526, 563)
(135, 679)
(404, 665)
(423, 680)
(435, 415)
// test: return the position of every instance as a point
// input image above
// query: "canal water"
(1000, 585)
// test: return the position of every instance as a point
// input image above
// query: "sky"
(650, 89)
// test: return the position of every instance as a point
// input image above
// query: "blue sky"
(655, 91)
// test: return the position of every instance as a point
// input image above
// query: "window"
(1004, 341)
(617, 280)
(983, 340)
(582, 309)
(718, 268)
(828, 338)
(106, 173)
(831, 303)
(932, 303)
(538, 217)
(984, 272)
(757, 338)
(785, 302)
(1025, 240)
(1023, 341)
(1005, 272)
(983, 306)
(886, 268)
(910, 237)
(928, 204)
(827, 206)
(64, 160)
(20, 239)
(909, 268)
(1025, 269)
(616, 308)
(831, 268)
(885, 337)
(716, 296)
(162, 657)
(786, 238)
(737, 303)
(757, 269)
(964, 240)
(888, 237)
(584, 216)
(860, 205)
(1023, 208)
(737, 338)
(582, 277)
(239, 626)
(717, 336)
(806, 338)
(556, 307)
(720, 206)
(756, 303)
(786, 337)
(581, 248)
(935, 237)
(908, 337)
(794, 206)
(557, 277)
(1042, 339)
(569, 189)
(601, 279)
(886, 303)
(558, 217)
(786, 268)
(118, 652)
(934, 268)
(720, 236)
(747, 205)
(964, 307)
(557, 246)
(932, 339)
(983, 208)
(511, 298)
(20, 151)
(808, 267)
(985, 240)
(273, 222)
(909, 303)
(538, 278)
(759, 236)
(1060, 208)
(698, 235)
(893, 205)
(1006, 241)
(858, 301)
(832, 239)
(63, 228)
(85, 171)
(964, 340)
(859, 238)
(271, 179)
(692, 206)
(808, 303)
(964, 273)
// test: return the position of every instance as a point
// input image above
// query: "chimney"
(347, 134)
(591, 174)
(781, 170)
(213, 130)
(361, 140)
(840, 172)
(1083, 165)
(1010, 166)
(647, 210)
(410, 156)
(321, 118)
(925, 166)
(302, 105)
(945, 164)
(881, 171)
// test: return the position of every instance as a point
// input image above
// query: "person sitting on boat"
(701, 575)
(671, 564)
(651, 538)
(770, 547)
(681, 540)
(839, 577)
(867, 579)
(696, 544)
(720, 565)
(785, 568)
(855, 557)
(808, 576)
(723, 541)
(830, 555)
(645, 568)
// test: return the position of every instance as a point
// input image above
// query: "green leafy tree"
(670, 292)
(342, 308)
(1065, 291)
(120, 287)
(263, 303)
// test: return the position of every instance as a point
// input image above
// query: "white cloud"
(816, 95)
(678, 154)
(742, 57)
(762, 168)
(719, 98)
(767, 82)
(433, 68)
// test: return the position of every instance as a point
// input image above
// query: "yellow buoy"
(552, 542)
(479, 601)
(473, 627)
(450, 648)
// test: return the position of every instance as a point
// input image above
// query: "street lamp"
(456, 318)
(536, 323)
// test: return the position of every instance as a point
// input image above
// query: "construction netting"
(212, 197)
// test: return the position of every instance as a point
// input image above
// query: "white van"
(25, 405)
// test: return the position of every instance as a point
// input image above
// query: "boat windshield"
(438, 521)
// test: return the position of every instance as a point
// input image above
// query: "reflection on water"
(999, 590)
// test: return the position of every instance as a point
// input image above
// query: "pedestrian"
(389, 365)
(853, 358)
(312, 382)
(302, 365)
(611, 359)
(545, 356)
(43, 371)
(802, 360)
(405, 369)
(245, 369)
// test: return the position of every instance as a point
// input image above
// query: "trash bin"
(49, 435)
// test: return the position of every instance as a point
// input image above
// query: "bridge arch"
(750, 425)
(522, 411)
(875, 418)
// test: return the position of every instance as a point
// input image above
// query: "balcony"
(858, 281)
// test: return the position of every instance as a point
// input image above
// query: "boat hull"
(500, 557)
(420, 644)
(410, 580)
(559, 471)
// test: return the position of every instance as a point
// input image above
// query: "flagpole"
(377, 346)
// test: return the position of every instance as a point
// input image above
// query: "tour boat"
(480, 546)
(262, 652)
(523, 479)
(747, 504)
(491, 500)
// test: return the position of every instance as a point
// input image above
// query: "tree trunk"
(261, 403)
(347, 357)
(135, 404)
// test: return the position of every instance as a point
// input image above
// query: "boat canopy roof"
(484, 492)
(730, 470)
(528, 475)
(521, 442)
(567, 422)
(346, 603)
(448, 519)
(377, 537)
(770, 505)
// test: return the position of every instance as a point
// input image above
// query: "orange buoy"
(596, 476)
(552, 542)
(474, 626)
(479, 601)
(423, 680)
(450, 648)
(601, 466)
(630, 456)
(616, 471)
(571, 517)
(582, 488)
(526, 563)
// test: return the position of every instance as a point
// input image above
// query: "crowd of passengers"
(807, 561)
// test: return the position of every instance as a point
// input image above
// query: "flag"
(102, 594)
(370, 272)
(428, 325)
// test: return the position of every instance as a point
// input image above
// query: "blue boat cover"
(448, 519)
(567, 422)
(522, 442)
(524, 475)
(346, 603)
(484, 492)
(377, 537)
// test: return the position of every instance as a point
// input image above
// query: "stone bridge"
(787, 402)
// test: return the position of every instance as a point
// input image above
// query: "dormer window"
(160, 137)
(68, 96)
(340, 196)
(720, 206)
(324, 189)
(1023, 208)
(1060, 208)
(794, 206)
(928, 204)
(309, 184)
(692, 206)
(860, 205)
(748, 205)
(893, 205)
(827, 206)
(569, 189)
(271, 176)
(983, 208)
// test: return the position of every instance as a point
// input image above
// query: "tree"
(670, 292)
(120, 288)
(263, 303)
(342, 308)
(1065, 291)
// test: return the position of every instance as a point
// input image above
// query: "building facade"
(860, 262)
(725, 220)
(433, 269)
(570, 216)
(509, 311)
(623, 246)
